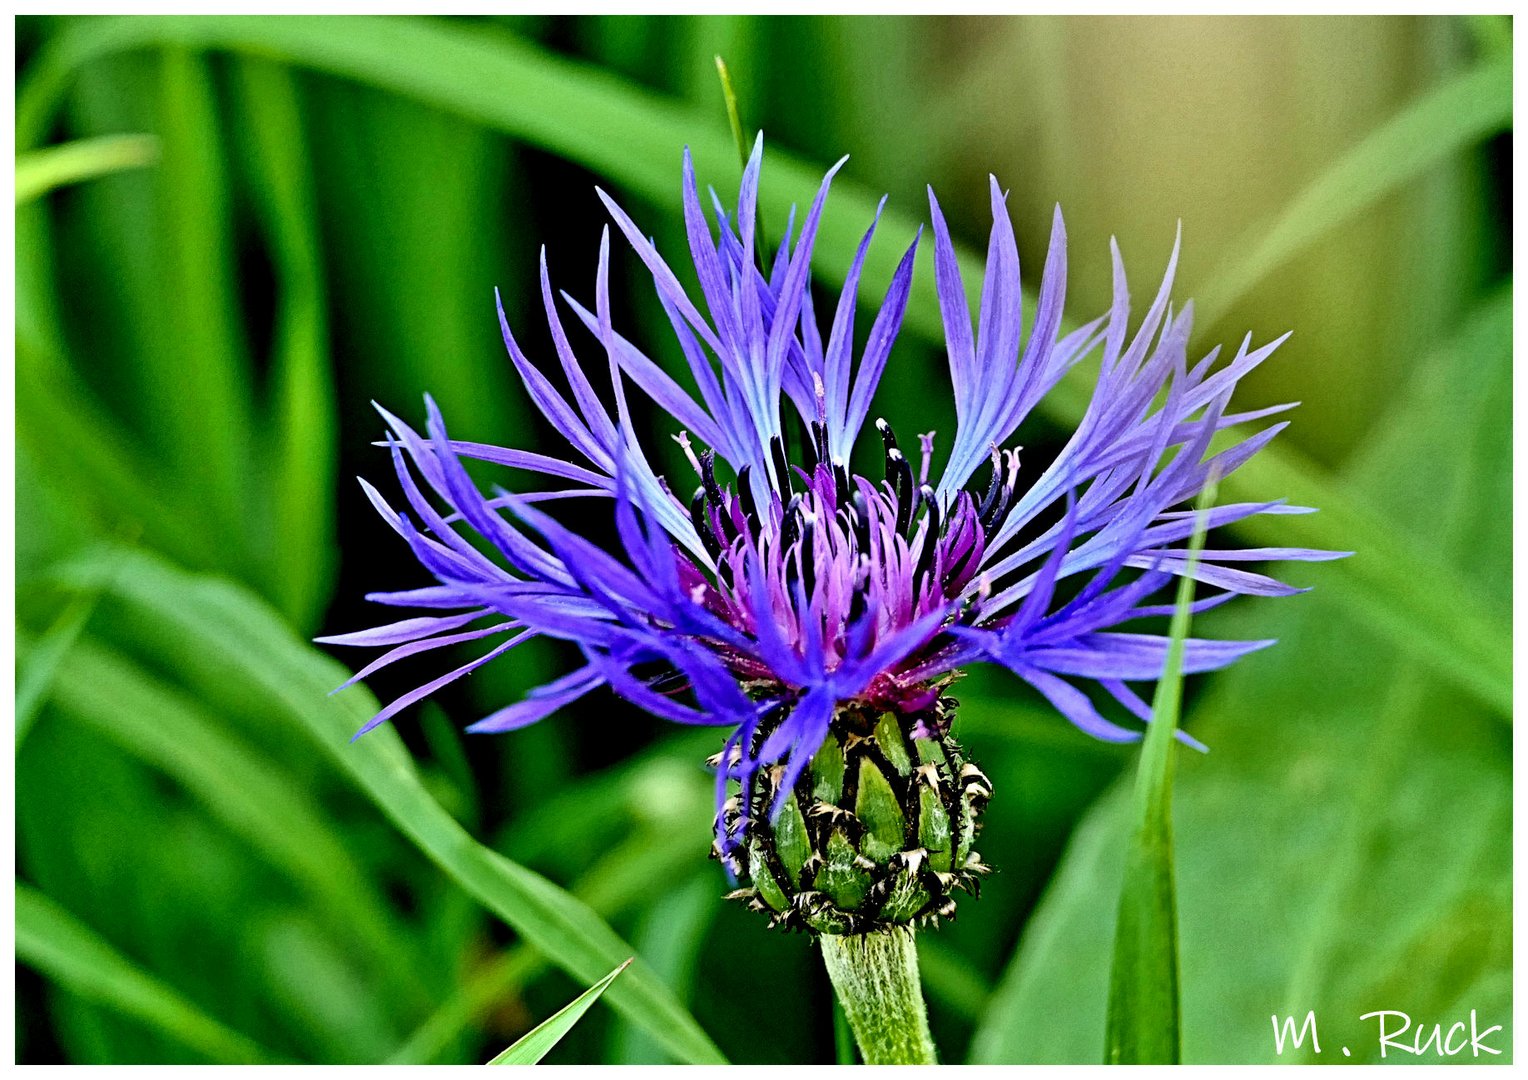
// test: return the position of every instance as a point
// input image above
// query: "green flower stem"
(876, 976)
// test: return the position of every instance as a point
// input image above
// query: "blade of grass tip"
(477, 994)
(1144, 1025)
(631, 136)
(61, 947)
(735, 121)
(40, 171)
(734, 118)
(535, 1044)
(1445, 120)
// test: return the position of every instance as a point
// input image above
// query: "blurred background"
(306, 215)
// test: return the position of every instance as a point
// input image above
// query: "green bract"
(878, 832)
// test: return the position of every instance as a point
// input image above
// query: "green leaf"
(535, 1044)
(298, 469)
(424, 323)
(40, 171)
(827, 768)
(36, 673)
(238, 786)
(1144, 1026)
(61, 947)
(1445, 120)
(201, 379)
(1316, 869)
(83, 453)
(246, 650)
(633, 137)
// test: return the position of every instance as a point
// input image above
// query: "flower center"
(845, 561)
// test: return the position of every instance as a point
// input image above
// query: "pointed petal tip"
(374, 722)
(1188, 740)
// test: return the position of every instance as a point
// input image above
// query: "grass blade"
(734, 117)
(57, 944)
(633, 137)
(301, 429)
(1144, 1026)
(535, 1044)
(36, 673)
(202, 377)
(86, 454)
(1445, 120)
(40, 171)
(248, 651)
(238, 786)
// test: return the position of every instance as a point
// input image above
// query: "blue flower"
(786, 593)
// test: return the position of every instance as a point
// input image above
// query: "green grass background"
(207, 871)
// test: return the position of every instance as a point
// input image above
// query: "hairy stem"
(876, 977)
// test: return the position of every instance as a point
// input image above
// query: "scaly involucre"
(784, 594)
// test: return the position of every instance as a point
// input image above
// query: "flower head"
(790, 593)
